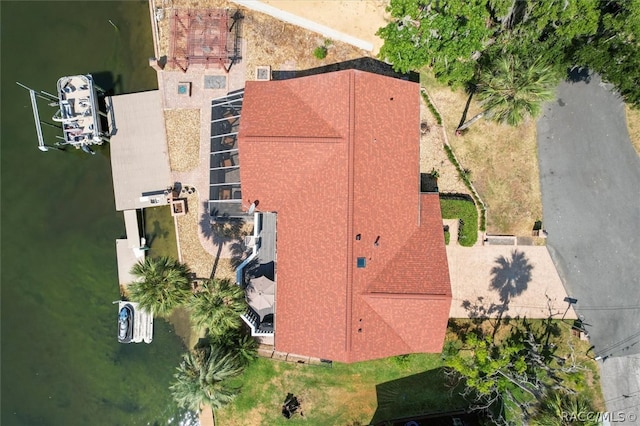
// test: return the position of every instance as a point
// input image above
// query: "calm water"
(61, 363)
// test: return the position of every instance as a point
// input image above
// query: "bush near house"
(462, 208)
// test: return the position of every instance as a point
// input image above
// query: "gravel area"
(183, 138)
(286, 47)
(193, 254)
(434, 157)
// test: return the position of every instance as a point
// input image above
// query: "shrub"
(320, 52)
(432, 108)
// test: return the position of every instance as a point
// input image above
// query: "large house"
(361, 267)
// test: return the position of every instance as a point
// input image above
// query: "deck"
(139, 153)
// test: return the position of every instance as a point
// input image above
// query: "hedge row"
(465, 178)
(432, 108)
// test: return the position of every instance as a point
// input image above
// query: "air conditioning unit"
(263, 73)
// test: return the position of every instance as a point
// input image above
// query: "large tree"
(201, 378)
(614, 51)
(162, 284)
(511, 373)
(218, 306)
(449, 36)
(458, 38)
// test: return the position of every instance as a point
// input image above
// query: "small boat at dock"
(125, 324)
(135, 324)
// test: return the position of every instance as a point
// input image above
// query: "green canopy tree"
(162, 284)
(514, 91)
(201, 378)
(457, 39)
(218, 306)
(449, 36)
(614, 52)
(511, 374)
(545, 29)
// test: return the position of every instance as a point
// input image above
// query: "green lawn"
(465, 210)
(160, 232)
(342, 394)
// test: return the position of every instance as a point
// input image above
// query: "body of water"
(61, 362)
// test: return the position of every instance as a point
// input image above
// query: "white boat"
(135, 324)
(79, 112)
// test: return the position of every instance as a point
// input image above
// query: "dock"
(141, 179)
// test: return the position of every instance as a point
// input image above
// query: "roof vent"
(377, 241)
(358, 237)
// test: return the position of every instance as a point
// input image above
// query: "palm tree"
(162, 285)
(559, 408)
(239, 341)
(513, 91)
(200, 379)
(218, 306)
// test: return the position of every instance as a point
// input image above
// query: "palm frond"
(218, 307)
(162, 284)
(200, 378)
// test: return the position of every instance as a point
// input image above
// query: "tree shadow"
(416, 395)
(480, 314)
(222, 230)
(511, 277)
(156, 232)
(471, 89)
(579, 74)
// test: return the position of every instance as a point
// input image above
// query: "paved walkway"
(519, 280)
(200, 98)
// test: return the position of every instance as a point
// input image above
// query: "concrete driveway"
(590, 178)
(517, 281)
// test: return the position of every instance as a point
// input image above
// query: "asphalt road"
(590, 179)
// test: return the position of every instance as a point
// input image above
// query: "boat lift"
(78, 113)
(42, 146)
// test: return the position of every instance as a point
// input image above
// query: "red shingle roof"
(336, 155)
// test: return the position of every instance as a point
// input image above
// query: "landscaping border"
(480, 205)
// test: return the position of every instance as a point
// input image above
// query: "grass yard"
(502, 160)
(633, 124)
(465, 210)
(343, 394)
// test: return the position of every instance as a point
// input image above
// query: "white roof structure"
(139, 152)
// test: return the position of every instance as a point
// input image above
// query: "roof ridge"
(350, 207)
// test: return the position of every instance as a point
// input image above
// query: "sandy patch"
(358, 18)
(633, 125)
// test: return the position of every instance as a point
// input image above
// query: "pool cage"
(225, 194)
(208, 37)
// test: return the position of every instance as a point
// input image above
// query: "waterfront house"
(360, 265)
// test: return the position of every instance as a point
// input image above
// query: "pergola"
(206, 37)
